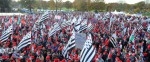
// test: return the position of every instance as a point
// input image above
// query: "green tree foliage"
(67, 4)
(5, 5)
(98, 6)
(79, 5)
(59, 4)
(28, 4)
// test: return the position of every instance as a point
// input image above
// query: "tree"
(88, 5)
(80, 5)
(5, 5)
(67, 4)
(52, 4)
(29, 4)
(139, 6)
(76, 4)
(59, 4)
(98, 6)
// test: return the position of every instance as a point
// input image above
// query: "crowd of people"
(45, 48)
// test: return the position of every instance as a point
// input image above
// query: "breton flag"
(7, 33)
(55, 29)
(41, 19)
(44, 17)
(140, 27)
(89, 27)
(71, 44)
(88, 51)
(65, 23)
(83, 26)
(77, 24)
(25, 41)
(112, 42)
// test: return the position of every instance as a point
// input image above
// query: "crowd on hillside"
(48, 49)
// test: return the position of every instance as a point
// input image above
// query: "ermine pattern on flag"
(25, 41)
(69, 46)
(77, 27)
(89, 27)
(83, 25)
(41, 19)
(55, 29)
(140, 27)
(88, 52)
(44, 16)
(113, 41)
(7, 33)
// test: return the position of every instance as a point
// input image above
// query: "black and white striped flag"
(83, 26)
(90, 27)
(41, 19)
(88, 52)
(25, 41)
(65, 23)
(55, 29)
(44, 16)
(71, 44)
(7, 33)
(112, 42)
(77, 24)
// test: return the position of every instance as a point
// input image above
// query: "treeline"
(81, 5)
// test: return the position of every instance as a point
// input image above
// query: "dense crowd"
(45, 48)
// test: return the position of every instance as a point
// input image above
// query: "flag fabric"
(25, 41)
(77, 24)
(44, 17)
(7, 33)
(19, 20)
(89, 27)
(132, 36)
(140, 27)
(74, 20)
(124, 31)
(65, 24)
(148, 28)
(42, 26)
(88, 52)
(83, 26)
(71, 44)
(112, 42)
(38, 24)
(77, 27)
(55, 29)
(10, 21)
